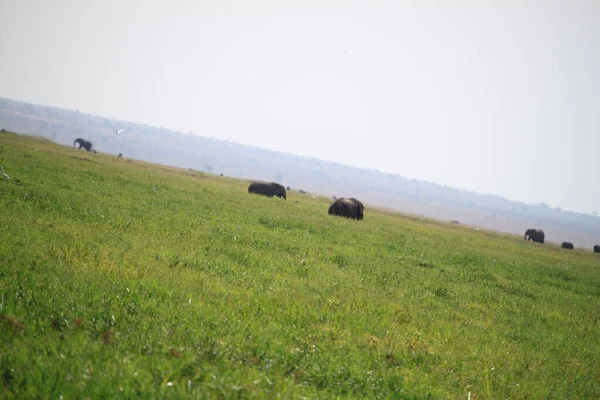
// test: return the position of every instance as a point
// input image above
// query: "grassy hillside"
(123, 279)
(160, 145)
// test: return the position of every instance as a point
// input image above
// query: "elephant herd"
(343, 207)
(354, 209)
(537, 235)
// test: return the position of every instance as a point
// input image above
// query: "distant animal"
(347, 207)
(455, 222)
(288, 188)
(268, 189)
(220, 174)
(4, 173)
(118, 131)
(335, 198)
(537, 235)
(94, 151)
(566, 245)
(597, 248)
(301, 191)
(83, 143)
(120, 155)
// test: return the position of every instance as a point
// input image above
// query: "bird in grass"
(4, 173)
(118, 131)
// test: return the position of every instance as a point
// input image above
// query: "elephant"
(83, 143)
(537, 235)
(566, 245)
(597, 248)
(347, 207)
(268, 189)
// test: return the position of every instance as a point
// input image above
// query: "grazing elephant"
(455, 222)
(597, 248)
(83, 143)
(347, 207)
(537, 235)
(566, 245)
(268, 189)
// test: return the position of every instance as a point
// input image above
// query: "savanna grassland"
(123, 279)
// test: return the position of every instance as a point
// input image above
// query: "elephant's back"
(256, 185)
(342, 205)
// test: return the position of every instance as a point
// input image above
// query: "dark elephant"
(566, 245)
(83, 143)
(268, 189)
(347, 207)
(537, 235)
(597, 248)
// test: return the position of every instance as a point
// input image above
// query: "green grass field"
(124, 279)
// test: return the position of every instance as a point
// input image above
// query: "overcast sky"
(499, 96)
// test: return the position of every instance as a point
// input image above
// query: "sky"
(495, 96)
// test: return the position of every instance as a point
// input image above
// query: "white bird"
(118, 131)
(4, 173)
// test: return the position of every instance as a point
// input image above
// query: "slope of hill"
(124, 279)
(375, 188)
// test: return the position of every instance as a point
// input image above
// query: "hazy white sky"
(498, 96)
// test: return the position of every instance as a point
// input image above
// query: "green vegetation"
(123, 279)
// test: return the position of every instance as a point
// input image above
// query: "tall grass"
(123, 279)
